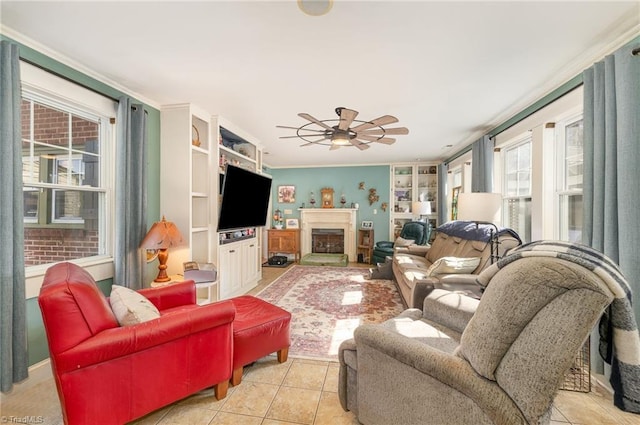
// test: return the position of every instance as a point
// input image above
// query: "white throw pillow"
(130, 307)
(403, 242)
(448, 265)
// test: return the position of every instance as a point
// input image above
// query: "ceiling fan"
(338, 133)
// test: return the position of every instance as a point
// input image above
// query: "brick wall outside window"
(51, 242)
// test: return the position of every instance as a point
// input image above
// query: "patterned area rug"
(328, 303)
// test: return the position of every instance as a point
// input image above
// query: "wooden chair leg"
(236, 378)
(221, 390)
(283, 354)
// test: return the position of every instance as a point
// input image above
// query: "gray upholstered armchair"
(416, 231)
(497, 360)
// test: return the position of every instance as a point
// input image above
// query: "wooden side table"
(365, 245)
(209, 286)
(284, 241)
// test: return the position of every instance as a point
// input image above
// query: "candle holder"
(312, 201)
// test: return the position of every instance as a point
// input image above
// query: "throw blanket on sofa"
(474, 231)
(619, 337)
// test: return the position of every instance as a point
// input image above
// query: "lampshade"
(421, 207)
(162, 235)
(479, 206)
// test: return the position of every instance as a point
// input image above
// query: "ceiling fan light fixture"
(340, 138)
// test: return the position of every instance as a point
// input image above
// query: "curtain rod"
(64, 77)
(566, 88)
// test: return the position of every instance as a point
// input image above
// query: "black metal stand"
(493, 239)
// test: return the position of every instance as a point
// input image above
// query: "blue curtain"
(442, 194)
(13, 330)
(131, 194)
(611, 213)
(482, 165)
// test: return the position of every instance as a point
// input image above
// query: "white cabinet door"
(251, 266)
(230, 270)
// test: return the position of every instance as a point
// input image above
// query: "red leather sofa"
(109, 374)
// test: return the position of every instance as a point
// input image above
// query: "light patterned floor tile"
(296, 405)
(330, 412)
(185, 415)
(154, 417)
(306, 375)
(206, 399)
(267, 371)
(574, 407)
(250, 398)
(331, 381)
(224, 418)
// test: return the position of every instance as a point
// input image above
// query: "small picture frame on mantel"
(367, 224)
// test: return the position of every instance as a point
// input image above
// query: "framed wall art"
(286, 194)
(454, 202)
(292, 223)
(367, 224)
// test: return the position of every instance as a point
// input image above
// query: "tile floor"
(297, 392)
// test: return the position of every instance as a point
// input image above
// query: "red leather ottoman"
(259, 329)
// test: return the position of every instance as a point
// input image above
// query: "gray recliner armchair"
(417, 231)
(459, 360)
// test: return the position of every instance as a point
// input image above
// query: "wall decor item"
(361, 186)
(384, 206)
(286, 194)
(292, 223)
(312, 200)
(343, 200)
(454, 202)
(366, 224)
(195, 136)
(327, 197)
(277, 219)
(373, 196)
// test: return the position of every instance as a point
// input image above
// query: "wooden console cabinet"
(284, 241)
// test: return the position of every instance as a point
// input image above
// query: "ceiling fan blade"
(346, 118)
(389, 131)
(314, 120)
(386, 140)
(307, 144)
(383, 120)
(359, 144)
(368, 138)
(298, 128)
(303, 135)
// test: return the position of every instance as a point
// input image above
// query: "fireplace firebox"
(327, 241)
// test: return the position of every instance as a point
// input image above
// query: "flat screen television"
(245, 199)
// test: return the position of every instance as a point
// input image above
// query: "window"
(517, 189)
(569, 192)
(65, 192)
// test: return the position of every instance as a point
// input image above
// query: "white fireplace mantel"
(329, 218)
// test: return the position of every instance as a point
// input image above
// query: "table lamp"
(421, 208)
(482, 208)
(162, 236)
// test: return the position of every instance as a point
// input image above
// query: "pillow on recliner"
(130, 307)
(403, 242)
(449, 265)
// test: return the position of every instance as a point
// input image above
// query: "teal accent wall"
(36, 338)
(343, 180)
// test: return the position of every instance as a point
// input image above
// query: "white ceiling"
(449, 71)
